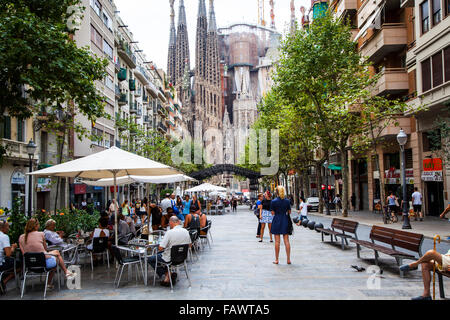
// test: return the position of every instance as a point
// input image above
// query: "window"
(5, 128)
(437, 69)
(109, 82)
(44, 144)
(436, 12)
(108, 50)
(447, 7)
(97, 136)
(107, 20)
(426, 75)
(96, 5)
(20, 130)
(96, 38)
(109, 141)
(447, 63)
(425, 16)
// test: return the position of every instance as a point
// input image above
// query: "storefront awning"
(334, 167)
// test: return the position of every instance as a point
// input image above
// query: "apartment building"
(428, 64)
(406, 41)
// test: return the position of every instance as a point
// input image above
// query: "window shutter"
(7, 132)
(426, 75)
(437, 69)
(447, 63)
(412, 81)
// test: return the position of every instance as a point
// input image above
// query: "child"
(303, 211)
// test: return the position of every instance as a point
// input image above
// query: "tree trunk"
(306, 184)
(319, 186)
(382, 188)
(344, 156)
(60, 156)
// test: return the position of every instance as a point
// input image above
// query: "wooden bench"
(342, 225)
(395, 239)
(441, 281)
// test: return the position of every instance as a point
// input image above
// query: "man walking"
(417, 203)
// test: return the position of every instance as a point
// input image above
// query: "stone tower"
(213, 109)
(172, 58)
(200, 62)
(182, 54)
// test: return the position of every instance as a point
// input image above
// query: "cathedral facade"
(199, 90)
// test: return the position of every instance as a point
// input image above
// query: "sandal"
(275, 262)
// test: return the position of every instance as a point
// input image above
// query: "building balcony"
(138, 92)
(391, 38)
(391, 130)
(162, 128)
(133, 107)
(123, 100)
(132, 85)
(122, 74)
(17, 150)
(117, 64)
(345, 6)
(162, 111)
(125, 53)
(392, 81)
(140, 73)
(366, 11)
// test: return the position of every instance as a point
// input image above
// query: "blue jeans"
(160, 271)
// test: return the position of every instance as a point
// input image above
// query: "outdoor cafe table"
(142, 250)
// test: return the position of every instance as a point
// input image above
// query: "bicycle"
(388, 217)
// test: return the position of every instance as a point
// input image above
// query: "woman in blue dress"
(281, 209)
(186, 206)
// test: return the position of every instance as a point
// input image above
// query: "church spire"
(182, 44)
(212, 26)
(172, 58)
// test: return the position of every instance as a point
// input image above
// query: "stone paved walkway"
(239, 267)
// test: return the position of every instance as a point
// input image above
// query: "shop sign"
(430, 165)
(393, 176)
(432, 176)
(111, 189)
(432, 170)
(18, 178)
(43, 185)
(80, 189)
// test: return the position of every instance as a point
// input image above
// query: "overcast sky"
(149, 20)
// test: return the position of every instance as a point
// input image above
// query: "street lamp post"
(327, 203)
(31, 149)
(402, 138)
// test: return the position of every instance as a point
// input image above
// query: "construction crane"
(261, 20)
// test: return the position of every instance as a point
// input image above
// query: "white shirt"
(303, 209)
(4, 243)
(54, 238)
(166, 203)
(174, 237)
(97, 233)
(417, 198)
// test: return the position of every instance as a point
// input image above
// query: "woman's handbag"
(290, 225)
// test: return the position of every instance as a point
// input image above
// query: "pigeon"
(359, 269)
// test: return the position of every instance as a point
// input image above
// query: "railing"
(162, 127)
(117, 91)
(133, 107)
(123, 99)
(162, 110)
(16, 149)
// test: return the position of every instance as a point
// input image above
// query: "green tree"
(323, 76)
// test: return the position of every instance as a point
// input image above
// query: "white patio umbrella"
(140, 179)
(206, 187)
(111, 163)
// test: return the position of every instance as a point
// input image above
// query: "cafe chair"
(205, 238)
(178, 256)
(34, 265)
(123, 262)
(99, 247)
(194, 240)
(13, 270)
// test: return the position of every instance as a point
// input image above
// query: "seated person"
(428, 260)
(174, 237)
(165, 218)
(54, 237)
(6, 252)
(192, 220)
(34, 241)
(155, 213)
(124, 228)
(443, 214)
(100, 232)
(130, 221)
